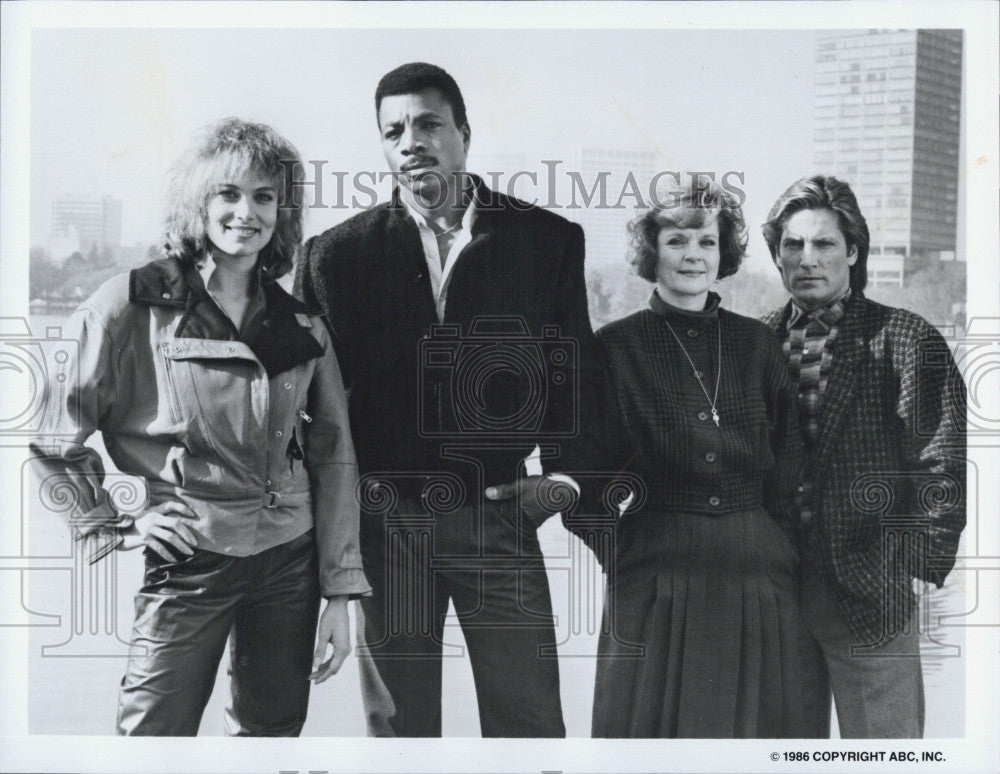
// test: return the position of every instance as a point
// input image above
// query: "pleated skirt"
(702, 635)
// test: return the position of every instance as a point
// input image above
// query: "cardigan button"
(692, 333)
(702, 416)
(709, 456)
(714, 501)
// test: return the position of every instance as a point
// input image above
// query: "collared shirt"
(809, 350)
(451, 243)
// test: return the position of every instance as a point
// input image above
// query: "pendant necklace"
(697, 373)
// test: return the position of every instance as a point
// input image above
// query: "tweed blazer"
(522, 269)
(888, 470)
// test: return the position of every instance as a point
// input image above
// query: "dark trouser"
(498, 584)
(878, 689)
(183, 614)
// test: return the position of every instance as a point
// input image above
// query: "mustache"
(417, 162)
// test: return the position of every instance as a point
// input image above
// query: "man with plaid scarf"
(882, 409)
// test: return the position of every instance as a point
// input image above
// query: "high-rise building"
(84, 223)
(887, 109)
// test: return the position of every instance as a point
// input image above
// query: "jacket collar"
(280, 342)
(167, 282)
(160, 283)
(283, 340)
(777, 320)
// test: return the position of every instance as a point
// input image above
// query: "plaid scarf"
(809, 349)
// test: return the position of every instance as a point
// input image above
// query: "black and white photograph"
(551, 387)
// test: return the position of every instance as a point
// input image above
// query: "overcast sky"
(111, 108)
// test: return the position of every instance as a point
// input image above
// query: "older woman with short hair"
(223, 393)
(701, 616)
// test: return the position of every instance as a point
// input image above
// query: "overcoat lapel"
(403, 267)
(472, 274)
(488, 208)
(483, 231)
(845, 374)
